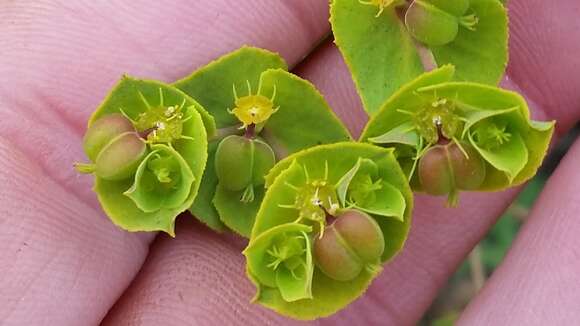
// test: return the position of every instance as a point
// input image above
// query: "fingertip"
(196, 278)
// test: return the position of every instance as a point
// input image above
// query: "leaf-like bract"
(163, 180)
(302, 119)
(324, 167)
(495, 121)
(133, 98)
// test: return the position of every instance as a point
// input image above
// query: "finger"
(58, 61)
(544, 43)
(328, 71)
(538, 283)
(61, 264)
(198, 278)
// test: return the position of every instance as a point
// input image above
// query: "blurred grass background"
(486, 256)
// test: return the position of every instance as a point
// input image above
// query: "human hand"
(63, 263)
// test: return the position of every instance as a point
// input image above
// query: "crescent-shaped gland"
(353, 242)
(102, 131)
(445, 169)
(119, 159)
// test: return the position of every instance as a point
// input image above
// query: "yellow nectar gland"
(315, 200)
(253, 109)
(161, 123)
(382, 4)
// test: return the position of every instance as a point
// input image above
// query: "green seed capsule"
(120, 158)
(351, 243)
(431, 25)
(241, 162)
(455, 7)
(102, 131)
(445, 169)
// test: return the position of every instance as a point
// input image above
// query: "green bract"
(249, 93)
(433, 120)
(163, 180)
(381, 54)
(148, 143)
(314, 209)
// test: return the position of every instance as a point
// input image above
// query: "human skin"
(63, 263)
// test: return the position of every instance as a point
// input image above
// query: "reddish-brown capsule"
(351, 243)
(120, 158)
(445, 169)
(102, 131)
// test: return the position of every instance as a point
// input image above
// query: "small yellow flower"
(253, 108)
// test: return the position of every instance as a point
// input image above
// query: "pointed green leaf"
(379, 52)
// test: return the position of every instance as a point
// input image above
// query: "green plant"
(331, 216)
(451, 136)
(323, 213)
(263, 109)
(147, 143)
(383, 51)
